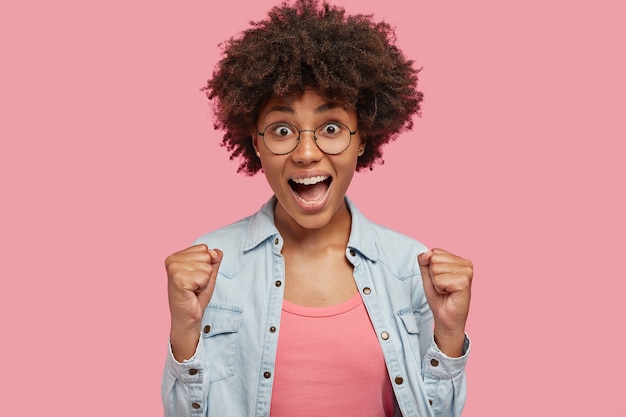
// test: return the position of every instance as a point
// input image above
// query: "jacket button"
(206, 329)
(384, 335)
(276, 241)
(278, 283)
(267, 375)
(273, 329)
(193, 371)
(367, 290)
(399, 380)
(195, 405)
(352, 252)
(434, 362)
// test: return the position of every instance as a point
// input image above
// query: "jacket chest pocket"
(220, 331)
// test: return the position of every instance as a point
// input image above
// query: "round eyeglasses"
(331, 137)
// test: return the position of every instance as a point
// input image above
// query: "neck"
(335, 232)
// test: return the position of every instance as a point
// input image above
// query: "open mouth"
(310, 190)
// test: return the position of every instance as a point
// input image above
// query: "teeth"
(310, 181)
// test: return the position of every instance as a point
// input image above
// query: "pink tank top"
(329, 364)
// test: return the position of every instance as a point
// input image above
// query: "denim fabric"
(231, 371)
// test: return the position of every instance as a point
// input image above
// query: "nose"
(307, 150)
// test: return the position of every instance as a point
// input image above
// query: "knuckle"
(436, 269)
(178, 275)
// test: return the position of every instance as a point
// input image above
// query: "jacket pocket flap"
(220, 319)
(410, 317)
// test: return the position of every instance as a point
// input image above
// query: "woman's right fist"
(191, 275)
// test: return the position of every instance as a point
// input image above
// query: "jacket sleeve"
(184, 389)
(443, 376)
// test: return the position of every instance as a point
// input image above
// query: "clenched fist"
(447, 282)
(191, 275)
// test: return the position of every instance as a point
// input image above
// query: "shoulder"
(396, 248)
(227, 236)
(240, 241)
(391, 248)
(243, 234)
(230, 240)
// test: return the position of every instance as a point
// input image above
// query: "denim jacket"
(231, 371)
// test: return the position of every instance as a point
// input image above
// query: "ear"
(255, 141)
(362, 147)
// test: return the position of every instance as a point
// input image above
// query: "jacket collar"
(261, 227)
(362, 234)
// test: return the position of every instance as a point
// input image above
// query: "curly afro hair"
(347, 59)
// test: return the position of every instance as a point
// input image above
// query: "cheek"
(272, 169)
(346, 167)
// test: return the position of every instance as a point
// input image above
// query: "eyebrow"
(319, 109)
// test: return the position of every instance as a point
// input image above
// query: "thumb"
(205, 294)
(216, 258)
(423, 259)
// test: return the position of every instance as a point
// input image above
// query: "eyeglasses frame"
(352, 133)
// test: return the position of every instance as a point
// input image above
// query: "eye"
(330, 129)
(281, 130)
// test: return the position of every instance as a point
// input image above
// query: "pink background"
(109, 163)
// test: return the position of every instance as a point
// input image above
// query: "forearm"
(184, 342)
(450, 343)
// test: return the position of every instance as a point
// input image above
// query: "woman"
(306, 308)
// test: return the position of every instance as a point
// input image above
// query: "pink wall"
(109, 163)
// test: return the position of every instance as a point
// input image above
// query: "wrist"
(184, 342)
(450, 343)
